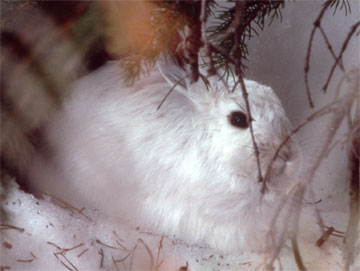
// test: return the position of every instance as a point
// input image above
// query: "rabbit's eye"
(238, 119)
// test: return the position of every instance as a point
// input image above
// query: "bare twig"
(108, 246)
(319, 219)
(337, 61)
(239, 6)
(66, 266)
(178, 82)
(10, 227)
(114, 263)
(324, 237)
(63, 252)
(101, 253)
(329, 231)
(307, 61)
(295, 227)
(69, 262)
(124, 258)
(275, 244)
(330, 48)
(148, 250)
(68, 206)
(25, 261)
(338, 115)
(335, 231)
(56, 246)
(184, 268)
(158, 254)
(132, 257)
(32, 254)
(119, 240)
(82, 252)
(250, 119)
(338, 109)
(319, 113)
(297, 255)
(33, 257)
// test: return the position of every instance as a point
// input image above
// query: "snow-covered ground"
(39, 235)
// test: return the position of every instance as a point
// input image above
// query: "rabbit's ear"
(172, 73)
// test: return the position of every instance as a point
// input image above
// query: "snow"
(40, 234)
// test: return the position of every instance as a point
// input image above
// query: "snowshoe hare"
(186, 169)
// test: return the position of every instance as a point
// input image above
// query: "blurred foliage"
(174, 28)
(138, 31)
(170, 21)
(45, 45)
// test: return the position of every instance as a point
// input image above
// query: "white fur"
(181, 170)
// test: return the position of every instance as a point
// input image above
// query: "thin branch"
(178, 82)
(148, 250)
(124, 258)
(101, 253)
(297, 255)
(307, 61)
(69, 262)
(108, 246)
(63, 252)
(25, 261)
(82, 252)
(67, 206)
(250, 119)
(67, 267)
(295, 227)
(330, 48)
(319, 113)
(132, 257)
(276, 244)
(114, 263)
(338, 115)
(345, 44)
(239, 6)
(335, 231)
(158, 254)
(337, 109)
(10, 227)
(319, 219)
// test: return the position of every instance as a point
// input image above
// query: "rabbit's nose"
(277, 167)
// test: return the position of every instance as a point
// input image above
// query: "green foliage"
(227, 37)
(171, 18)
(253, 17)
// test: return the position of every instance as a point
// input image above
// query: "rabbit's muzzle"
(285, 166)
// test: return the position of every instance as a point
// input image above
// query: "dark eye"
(238, 119)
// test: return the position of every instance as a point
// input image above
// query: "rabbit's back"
(109, 138)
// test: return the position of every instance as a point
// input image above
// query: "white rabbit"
(186, 169)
